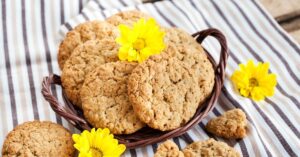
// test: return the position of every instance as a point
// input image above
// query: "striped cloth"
(30, 38)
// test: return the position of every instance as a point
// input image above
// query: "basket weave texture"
(146, 135)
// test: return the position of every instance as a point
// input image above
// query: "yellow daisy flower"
(141, 41)
(254, 81)
(97, 143)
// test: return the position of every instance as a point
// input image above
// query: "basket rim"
(74, 115)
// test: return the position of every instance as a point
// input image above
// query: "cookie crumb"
(168, 149)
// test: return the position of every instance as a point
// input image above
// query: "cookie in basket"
(127, 17)
(232, 124)
(185, 44)
(209, 148)
(105, 101)
(168, 149)
(176, 36)
(38, 139)
(85, 58)
(166, 89)
(82, 33)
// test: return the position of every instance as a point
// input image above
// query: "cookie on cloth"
(38, 139)
(82, 33)
(105, 100)
(85, 58)
(232, 124)
(168, 149)
(166, 89)
(127, 17)
(209, 148)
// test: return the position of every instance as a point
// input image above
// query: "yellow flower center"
(96, 152)
(139, 44)
(253, 82)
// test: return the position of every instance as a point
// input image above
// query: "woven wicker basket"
(146, 135)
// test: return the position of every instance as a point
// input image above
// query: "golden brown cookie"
(127, 17)
(232, 124)
(210, 148)
(166, 89)
(82, 33)
(168, 149)
(37, 138)
(105, 101)
(177, 37)
(85, 58)
(186, 44)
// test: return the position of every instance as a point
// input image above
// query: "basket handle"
(220, 68)
(69, 112)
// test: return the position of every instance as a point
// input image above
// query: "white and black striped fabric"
(31, 31)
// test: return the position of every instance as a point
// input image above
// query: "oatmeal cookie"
(168, 149)
(127, 17)
(232, 124)
(85, 58)
(209, 148)
(37, 138)
(82, 33)
(105, 101)
(176, 36)
(186, 45)
(166, 89)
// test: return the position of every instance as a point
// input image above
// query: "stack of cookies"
(162, 92)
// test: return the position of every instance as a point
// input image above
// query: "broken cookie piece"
(210, 148)
(232, 125)
(168, 149)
